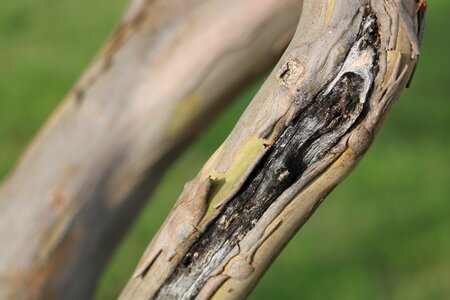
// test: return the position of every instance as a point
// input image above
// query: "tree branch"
(306, 129)
(167, 71)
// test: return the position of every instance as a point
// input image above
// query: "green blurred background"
(383, 234)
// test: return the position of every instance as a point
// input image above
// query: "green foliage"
(383, 234)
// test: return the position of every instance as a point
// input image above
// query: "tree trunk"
(167, 71)
(306, 129)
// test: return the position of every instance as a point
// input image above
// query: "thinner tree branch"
(312, 121)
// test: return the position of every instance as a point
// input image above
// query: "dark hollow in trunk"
(313, 133)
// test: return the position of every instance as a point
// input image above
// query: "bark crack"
(339, 106)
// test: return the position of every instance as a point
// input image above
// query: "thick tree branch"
(306, 129)
(164, 74)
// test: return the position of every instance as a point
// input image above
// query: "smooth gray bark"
(166, 72)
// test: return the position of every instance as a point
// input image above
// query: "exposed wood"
(166, 72)
(307, 128)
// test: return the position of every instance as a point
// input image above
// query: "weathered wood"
(306, 129)
(166, 72)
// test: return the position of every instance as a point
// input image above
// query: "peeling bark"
(166, 72)
(306, 129)
(300, 146)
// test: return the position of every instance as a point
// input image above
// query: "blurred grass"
(383, 234)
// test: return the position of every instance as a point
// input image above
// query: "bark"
(306, 129)
(166, 72)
